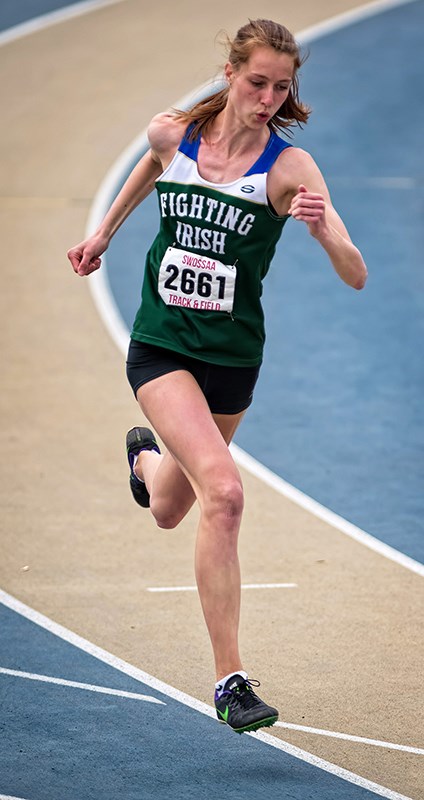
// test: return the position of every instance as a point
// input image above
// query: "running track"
(97, 728)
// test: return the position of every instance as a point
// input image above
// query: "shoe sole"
(254, 726)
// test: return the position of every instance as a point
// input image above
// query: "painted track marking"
(53, 18)
(243, 586)
(348, 18)
(350, 738)
(89, 687)
(309, 504)
(9, 797)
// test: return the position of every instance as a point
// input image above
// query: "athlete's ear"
(228, 72)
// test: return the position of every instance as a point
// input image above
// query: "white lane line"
(350, 738)
(89, 687)
(53, 18)
(9, 797)
(281, 486)
(185, 699)
(348, 18)
(243, 586)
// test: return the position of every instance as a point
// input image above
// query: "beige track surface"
(340, 652)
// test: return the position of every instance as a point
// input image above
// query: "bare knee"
(224, 501)
(221, 501)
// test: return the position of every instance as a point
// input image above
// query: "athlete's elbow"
(361, 280)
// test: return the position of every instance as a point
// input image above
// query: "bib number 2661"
(196, 282)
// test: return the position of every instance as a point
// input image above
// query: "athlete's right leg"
(171, 494)
(172, 488)
(196, 440)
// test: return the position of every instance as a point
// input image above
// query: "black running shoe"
(139, 439)
(241, 708)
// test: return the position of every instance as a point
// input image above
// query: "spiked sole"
(254, 726)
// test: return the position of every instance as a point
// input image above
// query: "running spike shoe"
(139, 439)
(240, 708)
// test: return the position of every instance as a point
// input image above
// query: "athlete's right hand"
(85, 257)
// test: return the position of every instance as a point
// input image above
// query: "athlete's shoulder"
(293, 167)
(296, 156)
(296, 164)
(165, 132)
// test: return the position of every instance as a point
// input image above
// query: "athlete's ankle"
(220, 684)
(139, 461)
(137, 467)
(229, 669)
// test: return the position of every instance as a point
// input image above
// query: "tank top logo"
(247, 189)
(221, 216)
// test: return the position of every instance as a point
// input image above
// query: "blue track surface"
(338, 409)
(62, 743)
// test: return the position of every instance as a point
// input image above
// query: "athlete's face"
(260, 86)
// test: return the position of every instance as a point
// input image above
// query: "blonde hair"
(257, 33)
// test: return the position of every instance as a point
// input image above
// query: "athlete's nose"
(267, 97)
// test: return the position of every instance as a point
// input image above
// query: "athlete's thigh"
(177, 409)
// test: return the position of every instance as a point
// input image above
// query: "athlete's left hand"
(309, 207)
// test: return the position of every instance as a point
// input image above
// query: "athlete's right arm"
(85, 256)
(164, 134)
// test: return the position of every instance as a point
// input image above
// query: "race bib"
(196, 282)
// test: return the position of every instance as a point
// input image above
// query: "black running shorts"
(228, 390)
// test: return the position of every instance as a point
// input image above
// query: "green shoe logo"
(224, 714)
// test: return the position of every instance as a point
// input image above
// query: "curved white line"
(106, 307)
(348, 18)
(53, 18)
(9, 797)
(309, 504)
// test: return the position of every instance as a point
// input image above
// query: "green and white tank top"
(202, 284)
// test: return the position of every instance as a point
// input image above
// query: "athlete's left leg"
(197, 445)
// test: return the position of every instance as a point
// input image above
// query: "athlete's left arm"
(311, 203)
